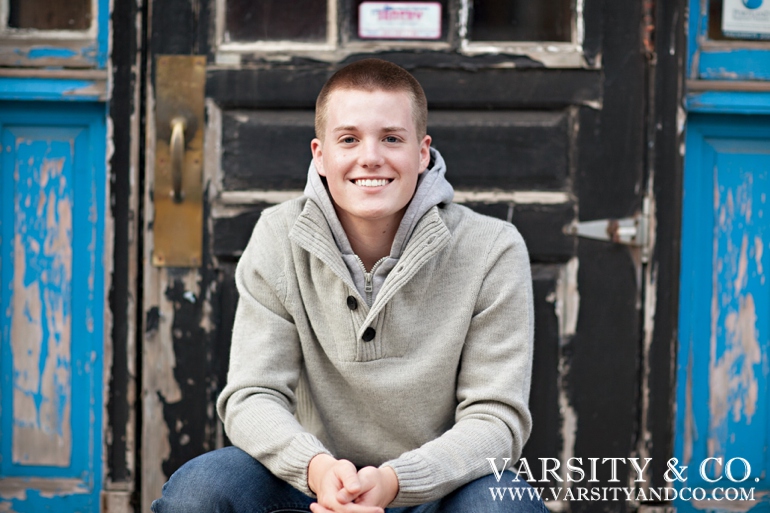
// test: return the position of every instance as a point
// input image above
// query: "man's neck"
(371, 240)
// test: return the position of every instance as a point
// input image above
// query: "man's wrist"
(318, 466)
(391, 482)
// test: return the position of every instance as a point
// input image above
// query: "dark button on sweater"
(369, 334)
(352, 303)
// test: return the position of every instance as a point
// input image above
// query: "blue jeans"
(230, 481)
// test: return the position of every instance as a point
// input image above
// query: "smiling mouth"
(372, 183)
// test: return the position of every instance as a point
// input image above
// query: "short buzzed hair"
(374, 75)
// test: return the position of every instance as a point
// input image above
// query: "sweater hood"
(432, 189)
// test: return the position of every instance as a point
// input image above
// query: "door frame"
(664, 87)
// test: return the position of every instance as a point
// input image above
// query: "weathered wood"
(123, 297)
(270, 149)
(604, 352)
(297, 87)
(503, 149)
(545, 440)
(266, 149)
(542, 227)
(55, 240)
(171, 297)
(41, 309)
(667, 190)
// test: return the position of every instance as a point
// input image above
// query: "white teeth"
(371, 183)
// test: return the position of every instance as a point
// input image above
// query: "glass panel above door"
(276, 20)
(50, 14)
(521, 20)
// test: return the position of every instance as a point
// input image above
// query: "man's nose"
(371, 154)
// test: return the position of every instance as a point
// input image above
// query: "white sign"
(399, 20)
(746, 19)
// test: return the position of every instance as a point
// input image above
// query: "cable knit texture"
(442, 386)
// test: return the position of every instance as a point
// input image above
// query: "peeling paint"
(5, 507)
(568, 430)
(16, 487)
(569, 418)
(567, 304)
(690, 427)
(743, 264)
(57, 53)
(735, 353)
(95, 89)
(460, 196)
(41, 314)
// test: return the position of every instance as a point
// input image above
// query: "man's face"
(370, 154)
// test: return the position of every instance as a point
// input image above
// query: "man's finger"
(345, 508)
(317, 508)
(347, 473)
(366, 483)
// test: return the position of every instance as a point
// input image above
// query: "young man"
(382, 345)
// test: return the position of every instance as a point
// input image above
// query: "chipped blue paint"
(723, 390)
(52, 155)
(696, 26)
(734, 65)
(49, 164)
(103, 35)
(46, 52)
(734, 102)
(91, 51)
(12, 88)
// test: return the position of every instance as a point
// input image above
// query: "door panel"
(725, 330)
(51, 306)
(503, 149)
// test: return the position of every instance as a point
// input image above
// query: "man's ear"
(424, 153)
(316, 147)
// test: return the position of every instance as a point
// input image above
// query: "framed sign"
(399, 20)
(746, 19)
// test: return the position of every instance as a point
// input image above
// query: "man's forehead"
(340, 115)
(341, 92)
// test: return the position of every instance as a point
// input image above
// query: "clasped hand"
(340, 488)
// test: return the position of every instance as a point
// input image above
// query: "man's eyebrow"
(353, 128)
(347, 128)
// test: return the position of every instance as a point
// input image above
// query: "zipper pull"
(368, 282)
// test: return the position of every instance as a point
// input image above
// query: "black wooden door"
(539, 110)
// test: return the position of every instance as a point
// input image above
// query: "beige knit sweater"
(442, 385)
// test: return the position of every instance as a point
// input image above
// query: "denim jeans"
(230, 481)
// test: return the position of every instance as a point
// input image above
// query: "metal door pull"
(178, 126)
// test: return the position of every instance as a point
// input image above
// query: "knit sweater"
(441, 386)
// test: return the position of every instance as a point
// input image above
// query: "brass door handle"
(176, 146)
(177, 193)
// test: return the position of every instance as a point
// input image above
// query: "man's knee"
(210, 482)
(488, 494)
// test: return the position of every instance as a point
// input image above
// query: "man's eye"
(349, 140)
(391, 139)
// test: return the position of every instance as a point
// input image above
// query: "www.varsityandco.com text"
(714, 479)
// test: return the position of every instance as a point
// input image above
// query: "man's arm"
(258, 403)
(492, 419)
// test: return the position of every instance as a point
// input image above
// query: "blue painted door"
(53, 140)
(724, 355)
(51, 305)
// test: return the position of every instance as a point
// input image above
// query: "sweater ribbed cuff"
(416, 483)
(295, 460)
